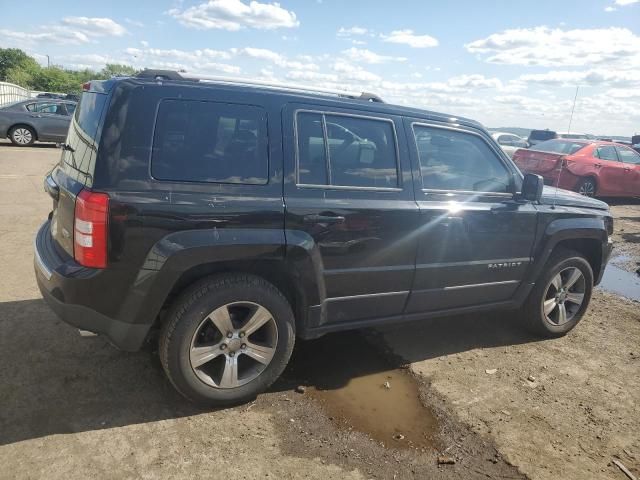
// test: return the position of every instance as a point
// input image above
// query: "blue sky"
(506, 64)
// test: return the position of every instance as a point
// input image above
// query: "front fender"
(559, 230)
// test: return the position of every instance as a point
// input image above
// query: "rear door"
(474, 240)
(51, 121)
(611, 173)
(349, 195)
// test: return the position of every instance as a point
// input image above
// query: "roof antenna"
(573, 108)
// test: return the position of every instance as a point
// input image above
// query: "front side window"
(628, 156)
(198, 141)
(607, 152)
(454, 160)
(346, 151)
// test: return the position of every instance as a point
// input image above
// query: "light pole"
(48, 63)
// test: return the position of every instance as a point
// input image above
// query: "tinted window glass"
(362, 152)
(505, 140)
(55, 108)
(312, 168)
(542, 135)
(558, 146)
(71, 107)
(89, 111)
(607, 152)
(628, 156)
(210, 142)
(451, 160)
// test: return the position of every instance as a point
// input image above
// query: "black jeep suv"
(235, 217)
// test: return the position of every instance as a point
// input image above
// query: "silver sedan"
(44, 120)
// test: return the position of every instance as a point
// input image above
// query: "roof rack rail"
(173, 75)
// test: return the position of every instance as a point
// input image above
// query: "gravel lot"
(77, 408)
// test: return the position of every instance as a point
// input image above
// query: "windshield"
(558, 146)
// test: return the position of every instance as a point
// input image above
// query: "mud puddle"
(619, 281)
(359, 389)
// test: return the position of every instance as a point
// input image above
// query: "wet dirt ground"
(376, 404)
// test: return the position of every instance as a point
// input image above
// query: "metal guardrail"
(10, 93)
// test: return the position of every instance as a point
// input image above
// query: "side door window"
(607, 152)
(346, 151)
(506, 140)
(71, 108)
(460, 161)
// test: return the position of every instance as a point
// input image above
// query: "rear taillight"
(90, 229)
(86, 86)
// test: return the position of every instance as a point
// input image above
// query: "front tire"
(227, 339)
(561, 295)
(22, 136)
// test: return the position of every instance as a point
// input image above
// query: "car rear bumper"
(63, 282)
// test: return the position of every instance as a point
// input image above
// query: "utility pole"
(572, 109)
(48, 63)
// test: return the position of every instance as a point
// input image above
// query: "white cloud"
(592, 77)
(234, 15)
(351, 72)
(274, 57)
(367, 56)
(95, 26)
(53, 34)
(144, 43)
(610, 9)
(624, 3)
(543, 46)
(347, 32)
(407, 37)
(474, 81)
(200, 61)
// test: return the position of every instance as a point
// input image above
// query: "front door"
(52, 121)
(475, 240)
(349, 199)
(631, 165)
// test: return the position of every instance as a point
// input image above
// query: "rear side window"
(558, 146)
(198, 141)
(628, 156)
(607, 152)
(453, 160)
(346, 151)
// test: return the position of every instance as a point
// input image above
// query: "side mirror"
(532, 186)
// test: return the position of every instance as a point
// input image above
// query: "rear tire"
(587, 187)
(227, 339)
(22, 136)
(560, 296)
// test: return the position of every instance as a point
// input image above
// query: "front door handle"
(323, 219)
(598, 165)
(36, 116)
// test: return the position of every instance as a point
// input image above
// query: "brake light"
(90, 229)
(86, 86)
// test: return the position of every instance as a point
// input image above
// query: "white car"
(509, 142)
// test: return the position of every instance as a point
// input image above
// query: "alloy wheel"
(22, 136)
(588, 189)
(233, 345)
(564, 296)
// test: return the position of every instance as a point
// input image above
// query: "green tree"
(14, 58)
(115, 69)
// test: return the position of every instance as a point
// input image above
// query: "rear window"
(542, 135)
(558, 146)
(88, 113)
(197, 141)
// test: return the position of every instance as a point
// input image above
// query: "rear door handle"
(598, 165)
(323, 219)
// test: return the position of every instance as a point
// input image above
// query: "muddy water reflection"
(356, 386)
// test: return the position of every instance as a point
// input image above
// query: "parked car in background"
(589, 167)
(537, 136)
(44, 120)
(509, 142)
(573, 136)
(635, 143)
(230, 218)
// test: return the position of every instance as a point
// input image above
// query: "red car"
(591, 168)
